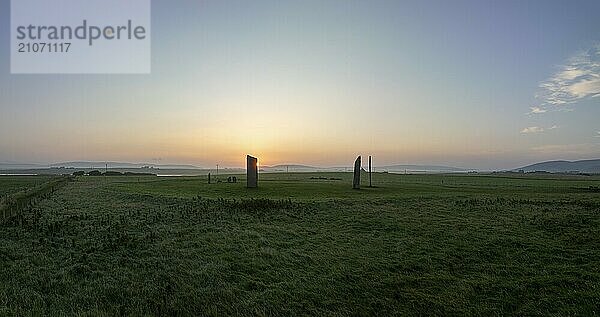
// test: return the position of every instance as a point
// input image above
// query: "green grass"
(14, 203)
(415, 245)
(301, 186)
(13, 184)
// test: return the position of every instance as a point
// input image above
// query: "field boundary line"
(13, 204)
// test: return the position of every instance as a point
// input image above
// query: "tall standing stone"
(251, 172)
(370, 183)
(356, 180)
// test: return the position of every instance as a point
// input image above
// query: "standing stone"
(370, 183)
(251, 172)
(356, 181)
(209, 178)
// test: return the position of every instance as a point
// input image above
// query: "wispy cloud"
(536, 129)
(577, 80)
(537, 110)
(532, 130)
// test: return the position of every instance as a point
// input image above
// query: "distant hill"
(292, 168)
(585, 166)
(93, 165)
(289, 168)
(421, 168)
(12, 166)
(390, 168)
(120, 165)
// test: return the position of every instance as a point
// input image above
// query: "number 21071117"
(43, 47)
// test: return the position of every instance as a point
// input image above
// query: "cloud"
(577, 80)
(532, 130)
(538, 129)
(597, 134)
(537, 110)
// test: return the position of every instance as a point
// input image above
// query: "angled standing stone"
(356, 180)
(251, 172)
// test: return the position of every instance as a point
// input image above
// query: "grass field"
(13, 184)
(414, 245)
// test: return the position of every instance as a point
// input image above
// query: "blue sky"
(481, 84)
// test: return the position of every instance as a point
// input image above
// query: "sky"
(474, 84)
